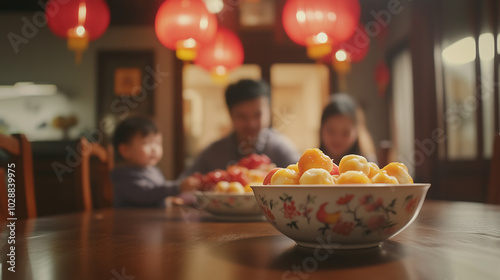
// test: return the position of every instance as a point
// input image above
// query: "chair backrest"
(17, 173)
(96, 186)
(71, 176)
(494, 187)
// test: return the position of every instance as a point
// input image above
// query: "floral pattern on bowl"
(347, 216)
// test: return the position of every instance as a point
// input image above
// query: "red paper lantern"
(320, 24)
(80, 21)
(222, 54)
(357, 45)
(352, 50)
(382, 77)
(183, 25)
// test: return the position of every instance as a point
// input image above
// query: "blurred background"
(424, 72)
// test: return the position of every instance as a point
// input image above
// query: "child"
(343, 130)
(136, 179)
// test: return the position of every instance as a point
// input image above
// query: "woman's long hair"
(341, 104)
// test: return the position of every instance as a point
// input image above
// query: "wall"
(300, 91)
(45, 59)
(33, 116)
(361, 85)
(361, 82)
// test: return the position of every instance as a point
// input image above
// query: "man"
(249, 108)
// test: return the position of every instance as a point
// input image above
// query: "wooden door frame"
(450, 179)
(424, 86)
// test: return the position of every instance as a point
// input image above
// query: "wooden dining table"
(448, 240)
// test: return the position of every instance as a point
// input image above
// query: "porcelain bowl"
(229, 205)
(340, 216)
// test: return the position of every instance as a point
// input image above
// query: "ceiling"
(129, 12)
(143, 12)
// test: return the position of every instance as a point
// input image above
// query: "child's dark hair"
(129, 127)
(341, 104)
(245, 90)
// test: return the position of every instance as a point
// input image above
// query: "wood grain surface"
(449, 240)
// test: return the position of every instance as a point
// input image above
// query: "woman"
(343, 130)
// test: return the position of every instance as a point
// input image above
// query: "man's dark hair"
(129, 127)
(246, 90)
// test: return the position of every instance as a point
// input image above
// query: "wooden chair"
(96, 186)
(72, 176)
(494, 187)
(18, 150)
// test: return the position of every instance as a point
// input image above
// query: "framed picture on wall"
(127, 81)
(123, 86)
(257, 14)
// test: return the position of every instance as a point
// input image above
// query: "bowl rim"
(213, 194)
(344, 186)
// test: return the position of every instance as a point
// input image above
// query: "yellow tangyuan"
(353, 177)
(314, 158)
(294, 167)
(335, 178)
(383, 178)
(400, 171)
(316, 176)
(235, 187)
(285, 176)
(354, 163)
(221, 186)
(374, 169)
